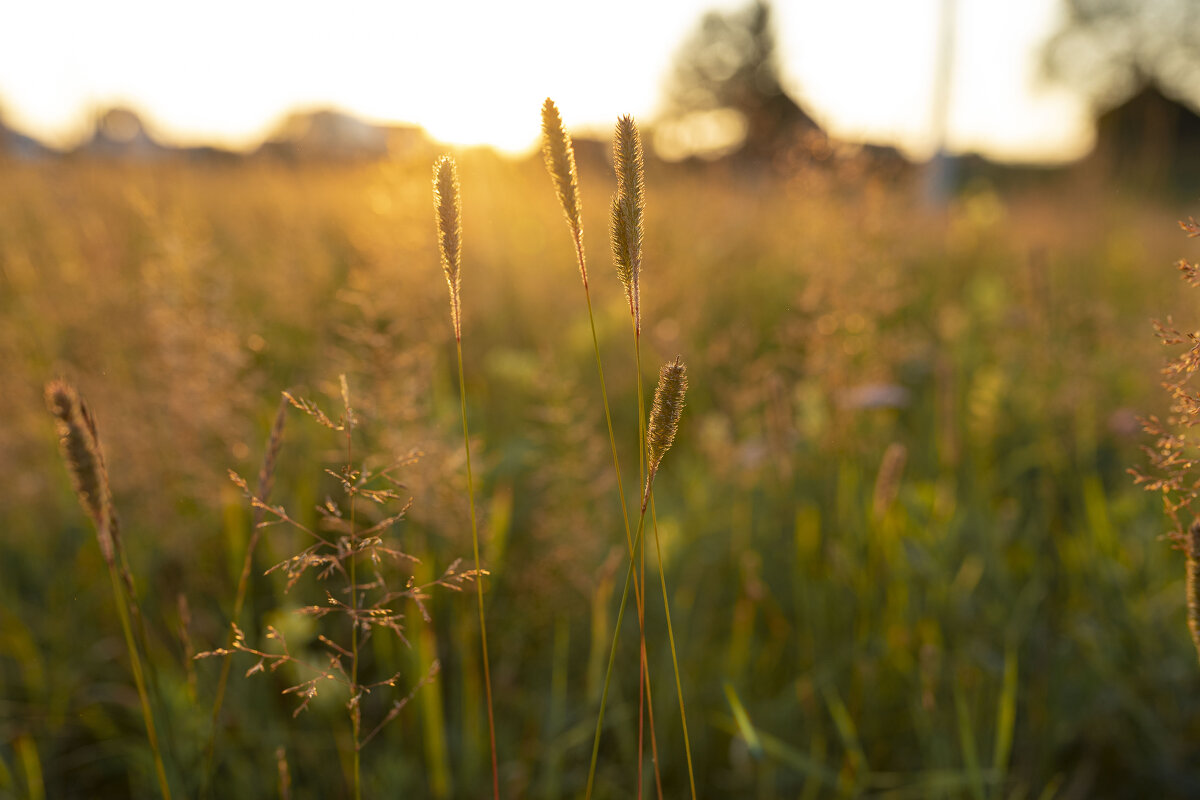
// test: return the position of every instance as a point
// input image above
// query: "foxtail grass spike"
(664, 416)
(622, 258)
(627, 210)
(628, 160)
(449, 225)
(560, 162)
(81, 452)
(1193, 583)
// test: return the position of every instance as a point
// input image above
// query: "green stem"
(487, 673)
(644, 677)
(662, 579)
(355, 709)
(139, 680)
(661, 573)
(641, 581)
(612, 654)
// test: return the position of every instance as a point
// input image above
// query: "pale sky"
(476, 71)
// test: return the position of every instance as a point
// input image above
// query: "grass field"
(904, 554)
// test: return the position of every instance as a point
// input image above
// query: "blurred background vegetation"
(904, 553)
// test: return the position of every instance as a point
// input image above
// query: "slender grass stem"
(139, 679)
(141, 635)
(662, 579)
(612, 655)
(644, 677)
(668, 404)
(355, 708)
(641, 581)
(487, 673)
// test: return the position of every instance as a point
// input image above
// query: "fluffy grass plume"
(81, 451)
(627, 208)
(560, 161)
(448, 206)
(664, 416)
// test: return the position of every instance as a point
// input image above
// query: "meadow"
(904, 553)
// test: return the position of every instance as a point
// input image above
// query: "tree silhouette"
(729, 62)
(1110, 49)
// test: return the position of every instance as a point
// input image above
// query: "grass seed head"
(560, 162)
(627, 159)
(627, 211)
(665, 414)
(449, 224)
(81, 452)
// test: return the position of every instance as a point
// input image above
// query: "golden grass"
(448, 204)
(295, 275)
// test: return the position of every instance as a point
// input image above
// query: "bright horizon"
(476, 73)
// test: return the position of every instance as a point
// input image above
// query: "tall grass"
(448, 204)
(560, 162)
(992, 617)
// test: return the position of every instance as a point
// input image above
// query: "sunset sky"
(471, 71)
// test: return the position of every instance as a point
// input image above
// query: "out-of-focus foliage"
(730, 63)
(903, 551)
(1109, 49)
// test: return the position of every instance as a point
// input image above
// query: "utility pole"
(939, 174)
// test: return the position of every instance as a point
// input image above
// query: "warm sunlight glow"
(476, 72)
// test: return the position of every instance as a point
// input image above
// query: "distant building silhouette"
(330, 135)
(14, 144)
(120, 133)
(1149, 142)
